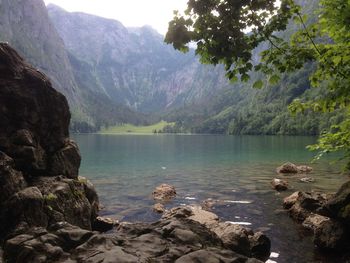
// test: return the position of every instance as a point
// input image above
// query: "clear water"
(234, 170)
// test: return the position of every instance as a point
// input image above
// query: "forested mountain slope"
(241, 109)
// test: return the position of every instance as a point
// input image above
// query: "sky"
(131, 13)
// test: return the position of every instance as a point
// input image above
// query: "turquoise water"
(235, 171)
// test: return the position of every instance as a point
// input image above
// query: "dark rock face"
(339, 205)
(38, 163)
(39, 129)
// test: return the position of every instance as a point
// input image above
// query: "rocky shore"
(48, 213)
(326, 216)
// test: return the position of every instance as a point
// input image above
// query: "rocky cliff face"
(26, 26)
(47, 212)
(38, 162)
(133, 66)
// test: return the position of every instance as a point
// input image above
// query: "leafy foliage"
(219, 29)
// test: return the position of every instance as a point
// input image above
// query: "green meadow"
(132, 129)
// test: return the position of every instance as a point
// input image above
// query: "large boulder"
(66, 161)
(23, 210)
(39, 164)
(302, 204)
(34, 117)
(339, 205)
(66, 200)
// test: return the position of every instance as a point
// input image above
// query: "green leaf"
(337, 60)
(258, 84)
(274, 79)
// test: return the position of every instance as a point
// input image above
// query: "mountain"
(133, 66)
(240, 109)
(112, 74)
(26, 26)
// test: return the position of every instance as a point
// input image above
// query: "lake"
(234, 171)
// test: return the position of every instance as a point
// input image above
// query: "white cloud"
(132, 13)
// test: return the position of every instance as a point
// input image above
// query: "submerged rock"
(279, 185)
(306, 180)
(164, 192)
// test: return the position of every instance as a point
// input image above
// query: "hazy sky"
(156, 13)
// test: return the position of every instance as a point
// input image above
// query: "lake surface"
(234, 171)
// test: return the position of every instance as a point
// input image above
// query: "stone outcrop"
(175, 238)
(49, 214)
(38, 162)
(325, 215)
(234, 237)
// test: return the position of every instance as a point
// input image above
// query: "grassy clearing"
(132, 129)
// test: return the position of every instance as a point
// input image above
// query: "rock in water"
(164, 192)
(279, 185)
(291, 168)
(287, 168)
